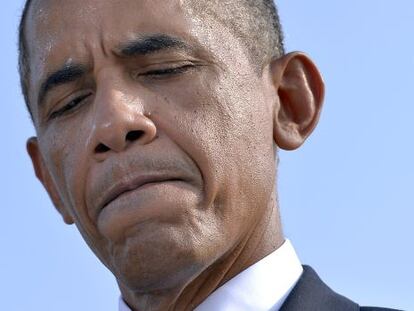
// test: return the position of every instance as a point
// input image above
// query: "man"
(158, 124)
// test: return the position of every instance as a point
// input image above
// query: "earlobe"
(43, 175)
(300, 93)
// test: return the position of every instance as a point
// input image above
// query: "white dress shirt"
(264, 286)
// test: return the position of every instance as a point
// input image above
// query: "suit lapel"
(311, 294)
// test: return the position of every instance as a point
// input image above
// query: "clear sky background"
(346, 196)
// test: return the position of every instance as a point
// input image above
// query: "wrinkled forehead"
(64, 15)
(60, 24)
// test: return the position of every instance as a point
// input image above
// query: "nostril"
(101, 148)
(134, 135)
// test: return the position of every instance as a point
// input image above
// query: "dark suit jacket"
(311, 294)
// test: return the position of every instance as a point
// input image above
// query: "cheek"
(69, 166)
(67, 161)
(226, 129)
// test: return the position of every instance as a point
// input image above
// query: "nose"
(118, 122)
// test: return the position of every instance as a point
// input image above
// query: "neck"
(263, 239)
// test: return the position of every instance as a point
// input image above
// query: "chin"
(157, 258)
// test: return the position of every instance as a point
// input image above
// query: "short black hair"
(24, 67)
(255, 22)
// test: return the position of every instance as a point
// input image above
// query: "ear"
(300, 91)
(43, 175)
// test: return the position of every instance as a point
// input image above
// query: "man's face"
(154, 130)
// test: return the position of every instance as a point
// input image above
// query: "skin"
(206, 135)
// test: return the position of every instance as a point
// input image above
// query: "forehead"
(66, 16)
(60, 25)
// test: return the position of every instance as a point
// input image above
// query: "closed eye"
(70, 106)
(164, 72)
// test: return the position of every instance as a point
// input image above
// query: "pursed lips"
(132, 184)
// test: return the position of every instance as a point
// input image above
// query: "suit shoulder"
(312, 294)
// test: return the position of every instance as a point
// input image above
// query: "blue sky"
(346, 196)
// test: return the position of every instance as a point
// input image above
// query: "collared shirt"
(264, 286)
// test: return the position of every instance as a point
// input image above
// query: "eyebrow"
(152, 44)
(68, 73)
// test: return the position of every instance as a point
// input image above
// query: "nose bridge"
(111, 90)
(113, 106)
(118, 118)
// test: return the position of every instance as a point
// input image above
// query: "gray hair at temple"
(255, 22)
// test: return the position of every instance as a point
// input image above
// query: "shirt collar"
(264, 286)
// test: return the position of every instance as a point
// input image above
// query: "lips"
(132, 184)
(111, 182)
